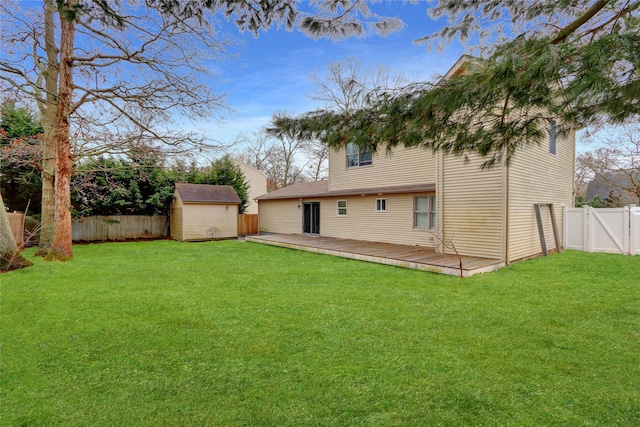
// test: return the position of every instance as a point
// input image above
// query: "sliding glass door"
(311, 218)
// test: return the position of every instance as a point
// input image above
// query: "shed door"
(311, 218)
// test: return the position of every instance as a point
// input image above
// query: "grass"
(235, 334)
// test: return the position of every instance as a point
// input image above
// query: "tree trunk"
(48, 112)
(62, 238)
(10, 258)
(47, 219)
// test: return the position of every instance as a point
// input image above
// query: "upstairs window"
(424, 212)
(357, 156)
(553, 135)
(381, 205)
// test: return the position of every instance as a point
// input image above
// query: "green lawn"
(229, 333)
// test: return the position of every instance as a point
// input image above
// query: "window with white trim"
(381, 205)
(424, 212)
(357, 156)
(341, 208)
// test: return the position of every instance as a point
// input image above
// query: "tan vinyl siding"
(472, 206)
(535, 176)
(404, 166)
(176, 223)
(257, 185)
(209, 221)
(280, 216)
(364, 223)
(176, 218)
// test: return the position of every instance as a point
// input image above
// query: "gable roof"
(204, 193)
(298, 190)
(462, 66)
(243, 164)
(319, 189)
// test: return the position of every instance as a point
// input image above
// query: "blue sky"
(273, 72)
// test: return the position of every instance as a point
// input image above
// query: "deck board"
(416, 257)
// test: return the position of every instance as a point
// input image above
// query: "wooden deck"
(406, 256)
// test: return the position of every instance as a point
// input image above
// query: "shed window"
(381, 205)
(424, 212)
(341, 208)
(357, 156)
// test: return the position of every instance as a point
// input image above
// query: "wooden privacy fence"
(247, 224)
(119, 227)
(16, 223)
(613, 230)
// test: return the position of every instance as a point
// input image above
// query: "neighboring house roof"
(321, 189)
(204, 193)
(613, 184)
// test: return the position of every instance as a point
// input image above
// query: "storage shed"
(204, 212)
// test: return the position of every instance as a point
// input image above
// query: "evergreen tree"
(574, 62)
(113, 186)
(224, 172)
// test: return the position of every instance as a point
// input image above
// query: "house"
(204, 212)
(413, 196)
(616, 186)
(257, 184)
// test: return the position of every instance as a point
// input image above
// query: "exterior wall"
(404, 166)
(364, 223)
(472, 204)
(176, 218)
(281, 216)
(485, 213)
(536, 176)
(257, 185)
(209, 221)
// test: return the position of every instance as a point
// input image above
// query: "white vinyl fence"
(613, 230)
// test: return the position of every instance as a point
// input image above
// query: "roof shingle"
(321, 189)
(204, 193)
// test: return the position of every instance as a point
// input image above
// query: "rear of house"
(204, 212)
(413, 196)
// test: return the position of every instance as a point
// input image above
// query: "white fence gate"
(613, 230)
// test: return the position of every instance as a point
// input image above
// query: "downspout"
(440, 199)
(258, 203)
(506, 218)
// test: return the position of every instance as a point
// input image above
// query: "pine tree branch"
(582, 19)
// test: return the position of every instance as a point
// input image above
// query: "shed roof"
(204, 193)
(321, 189)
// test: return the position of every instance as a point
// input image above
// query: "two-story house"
(410, 194)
